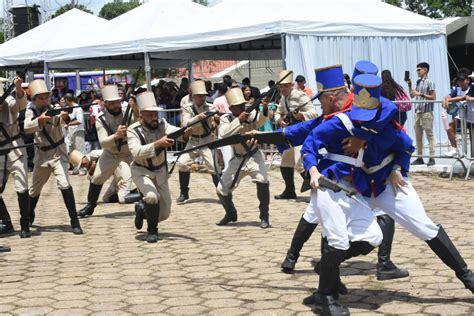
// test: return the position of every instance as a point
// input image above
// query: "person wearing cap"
(121, 187)
(113, 140)
(51, 156)
(202, 133)
(148, 142)
(301, 86)
(248, 158)
(424, 90)
(15, 162)
(379, 175)
(330, 81)
(463, 92)
(291, 100)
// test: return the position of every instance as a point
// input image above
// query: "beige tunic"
(153, 184)
(255, 165)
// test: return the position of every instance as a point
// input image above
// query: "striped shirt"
(424, 86)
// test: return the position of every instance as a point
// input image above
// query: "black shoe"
(431, 162)
(25, 233)
(5, 249)
(389, 271)
(182, 198)
(152, 237)
(327, 305)
(139, 215)
(228, 217)
(418, 161)
(88, 210)
(6, 228)
(286, 196)
(264, 223)
(288, 264)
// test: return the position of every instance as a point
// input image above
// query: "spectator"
(94, 110)
(394, 92)
(123, 100)
(463, 92)
(275, 97)
(347, 81)
(255, 91)
(301, 85)
(76, 125)
(247, 92)
(424, 90)
(220, 103)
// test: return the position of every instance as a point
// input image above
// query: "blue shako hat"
(329, 79)
(364, 67)
(367, 88)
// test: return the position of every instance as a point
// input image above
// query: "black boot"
(230, 211)
(215, 180)
(92, 197)
(263, 195)
(133, 197)
(5, 249)
(140, 214)
(386, 269)
(69, 201)
(6, 227)
(184, 178)
(444, 248)
(324, 300)
(32, 201)
(303, 231)
(113, 198)
(288, 177)
(23, 201)
(152, 214)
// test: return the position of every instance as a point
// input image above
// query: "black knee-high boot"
(70, 202)
(263, 195)
(303, 231)
(23, 203)
(92, 198)
(32, 201)
(230, 211)
(184, 178)
(6, 226)
(152, 215)
(444, 248)
(288, 177)
(386, 269)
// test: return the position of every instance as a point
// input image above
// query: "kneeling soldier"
(147, 140)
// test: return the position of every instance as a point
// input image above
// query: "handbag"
(400, 95)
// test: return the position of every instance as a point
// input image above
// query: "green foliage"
(117, 7)
(440, 8)
(397, 3)
(70, 6)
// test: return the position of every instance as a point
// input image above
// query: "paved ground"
(200, 268)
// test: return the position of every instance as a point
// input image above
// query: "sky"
(94, 5)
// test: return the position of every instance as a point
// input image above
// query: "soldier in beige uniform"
(121, 189)
(291, 100)
(148, 142)
(51, 156)
(202, 133)
(113, 139)
(15, 161)
(248, 158)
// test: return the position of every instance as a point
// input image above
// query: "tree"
(117, 7)
(435, 8)
(70, 6)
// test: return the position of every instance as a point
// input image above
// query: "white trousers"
(342, 218)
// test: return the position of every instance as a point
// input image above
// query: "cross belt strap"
(53, 145)
(9, 140)
(357, 162)
(378, 167)
(150, 166)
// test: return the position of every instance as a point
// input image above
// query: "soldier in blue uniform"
(385, 159)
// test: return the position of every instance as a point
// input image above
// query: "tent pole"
(250, 70)
(46, 75)
(147, 71)
(78, 82)
(190, 70)
(283, 50)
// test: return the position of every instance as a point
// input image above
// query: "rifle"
(290, 116)
(69, 109)
(127, 117)
(12, 86)
(277, 138)
(5, 151)
(257, 102)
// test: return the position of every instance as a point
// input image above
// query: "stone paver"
(199, 268)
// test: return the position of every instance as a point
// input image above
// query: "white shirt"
(78, 115)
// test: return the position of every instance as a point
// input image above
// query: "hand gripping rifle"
(127, 117)
(69, 109)
(5, 151)
(12, 86)
(257, 102)
(290, 118)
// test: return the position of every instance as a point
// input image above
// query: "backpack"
(400, 95)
